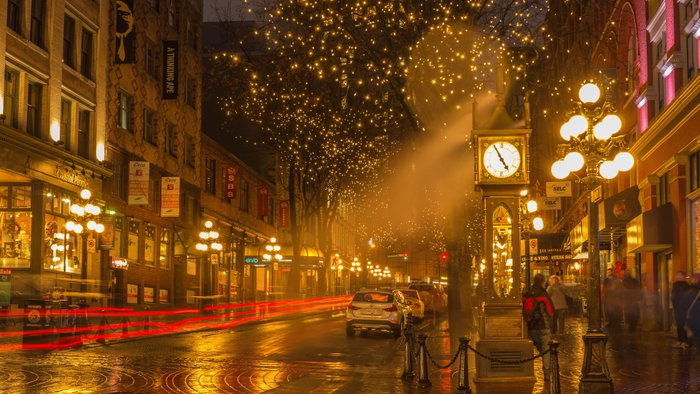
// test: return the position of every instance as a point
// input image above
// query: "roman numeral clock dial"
(501, 159)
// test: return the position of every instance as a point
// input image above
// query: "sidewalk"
(643, 362)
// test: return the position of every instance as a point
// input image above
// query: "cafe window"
(149, 245)
(15, 226)
(164, 249)
(10, 102)
(132, 251)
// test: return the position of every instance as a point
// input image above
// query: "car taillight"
(353, 307)
(392, 309)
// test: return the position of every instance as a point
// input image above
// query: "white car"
(414, 301)
(377, 310)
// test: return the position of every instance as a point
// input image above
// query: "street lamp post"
(356, 267)
(272, 252)
(85, 217)
(208, 244)
(529, 222)
(590, 144)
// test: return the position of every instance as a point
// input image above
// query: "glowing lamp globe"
(100, 228)
(574, 161)
(213, 234)
(559, 169)
(208, 224)
(70, 225)
(204, 235)
(613, 123)
(91, 225)
(85, 194)
(578, 125)
(601, 131)
(565, 131)
(78, 228)
(537, 223)
(624, 161)
(589, 93)
(531, 206)
(608, 169)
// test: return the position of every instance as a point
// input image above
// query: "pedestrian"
(693, 314)
(632, 296)
(538, 310)
(612, 297)
(680, 308)
(558, 296)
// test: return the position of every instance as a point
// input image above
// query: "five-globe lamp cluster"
(208, 238)
(590, 135)
(85, 213)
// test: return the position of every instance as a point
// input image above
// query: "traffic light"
(405, 255)
(443, 256)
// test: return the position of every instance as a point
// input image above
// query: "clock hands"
(501, 158)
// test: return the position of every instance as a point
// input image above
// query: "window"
(244, 196)
(694, 171)
(149, 245)
(86, 54)
(15, 226)
(11, 99)
(190, 93)
(66, 107)
(164, 249)
(170, 136)
(34, 109)
(149, 126)
(118, 180)
(36, 28)
(14, 15)
(69, 41)
(84, 127)
(662, 192)
(210, 175)
(132, 251)
(151, 59)
(126, 103)
(172, 14)
(189, 150)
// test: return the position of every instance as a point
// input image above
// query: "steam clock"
(501, 172)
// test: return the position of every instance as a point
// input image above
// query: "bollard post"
(423, 380)
(101, 330)
(554, 384)
(408, 355)
(146, 319)
(464, 366)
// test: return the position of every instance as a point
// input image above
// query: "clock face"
(501, 159)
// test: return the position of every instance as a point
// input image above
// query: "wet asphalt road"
(304, 354)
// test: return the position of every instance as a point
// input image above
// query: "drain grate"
(505, 356)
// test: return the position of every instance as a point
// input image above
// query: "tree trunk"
(294, 279)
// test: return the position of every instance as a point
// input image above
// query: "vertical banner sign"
(284, 213)
(170, 70)
(124, 32)
(263, 194)
(5, 286)
(138, 182)
(107, 236)
(231, 180)
(170, 197)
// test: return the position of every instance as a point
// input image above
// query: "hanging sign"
(170, 70)
(284, 214)
(559, 189)
(138, 182)
(125, 32)
(230, 180)
(549, 203)
(170, 197)
(263, 195)
(91, 245)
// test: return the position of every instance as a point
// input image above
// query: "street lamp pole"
(208, 244)
(590, 143)
(527, 210)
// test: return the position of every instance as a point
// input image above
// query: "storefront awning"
(310, 256)
(652, 231)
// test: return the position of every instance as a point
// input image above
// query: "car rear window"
(428, 288)
(373, 297)
(410, 293)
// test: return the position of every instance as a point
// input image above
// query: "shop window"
(164, 249)
(38, 20)
(69, 41)
(149, 245)
(4, 196)
(149, 126)
(86, 53)
(15, 239)
(11, 102)
(14, 15)
(149, 295)
(61, 247)
(132, 251)
(163, 296)
(21, 197)
(66, 107)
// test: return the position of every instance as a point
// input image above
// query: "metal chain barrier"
(510, 362)
(446, 365)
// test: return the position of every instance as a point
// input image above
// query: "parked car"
(432, 295)
(377, 310)
(415, 302)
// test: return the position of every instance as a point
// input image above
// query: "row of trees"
(340, 90)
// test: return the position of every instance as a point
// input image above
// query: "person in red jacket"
(538, 311)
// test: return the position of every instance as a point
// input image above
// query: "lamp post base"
(595, 376)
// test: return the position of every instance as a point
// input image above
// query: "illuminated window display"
(502, 251)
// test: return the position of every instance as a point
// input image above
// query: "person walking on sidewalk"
(693, 314)
(680, 308)
(632, 298)
(538, 310)
(556, 293)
